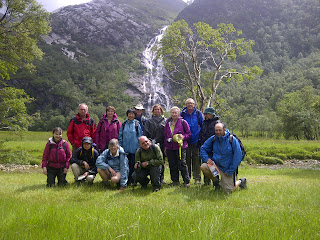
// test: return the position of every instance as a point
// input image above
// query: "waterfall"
(155, 88)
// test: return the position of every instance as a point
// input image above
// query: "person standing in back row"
(139, 109)
(154, 130)
(80, 126)
(207, 130)
(108, 128)
(195, 119)
(129, 134)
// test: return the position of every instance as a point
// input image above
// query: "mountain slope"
(281, 29)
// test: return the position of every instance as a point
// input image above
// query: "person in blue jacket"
(195, 119)
(226, 156)
(113, 164)
(129, 134)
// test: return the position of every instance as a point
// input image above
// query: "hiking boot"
(186, 185)
(106, 184)
(216, 185)
(156, 189)
(243, 183)
(197, 182)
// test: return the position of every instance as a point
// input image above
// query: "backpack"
(235, 175)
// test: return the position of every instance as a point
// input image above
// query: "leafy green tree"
(189, 54)
(13, 109)
(299, 114)
(23, 23)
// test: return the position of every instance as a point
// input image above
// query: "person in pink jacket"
(175, 125)
(56, 159)
(108, 128)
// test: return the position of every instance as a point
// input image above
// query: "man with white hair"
(80, 126)
(195, 119)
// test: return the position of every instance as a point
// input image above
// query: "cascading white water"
(154, 86)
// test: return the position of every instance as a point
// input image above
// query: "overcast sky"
(51, 5)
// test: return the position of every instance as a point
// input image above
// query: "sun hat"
(209, 110)
(139, 106)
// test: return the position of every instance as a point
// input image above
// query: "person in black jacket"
(83, 163)
(207, 130)
(153, 129)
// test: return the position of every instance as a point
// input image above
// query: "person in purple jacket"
(108, 128)
(175, 125)
(56, 159)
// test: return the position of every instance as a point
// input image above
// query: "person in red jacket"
(80, 126)
(56, 159)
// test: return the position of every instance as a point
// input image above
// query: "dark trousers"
(52, 173)
(162, 166)
(176, 164)
(141, 176)
(193, 161)
(131, 161)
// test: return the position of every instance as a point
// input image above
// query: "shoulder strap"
(122, 126)
(153, 147)
(64, 145)
(139, 152)
(92, 149)
(50, 147)
(182, 122)
(137, 128)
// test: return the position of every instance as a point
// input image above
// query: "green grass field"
(278, 204)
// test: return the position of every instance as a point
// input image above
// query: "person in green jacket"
(149, 160)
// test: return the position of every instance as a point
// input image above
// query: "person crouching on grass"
(113, 165)
(56, 159)
(83, 163)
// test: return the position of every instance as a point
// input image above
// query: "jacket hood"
(51, 140)
(185, 110)
(115, 116)
(80, 119)
(226, 135)
(215, 118)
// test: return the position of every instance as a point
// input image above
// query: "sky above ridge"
(51, 5)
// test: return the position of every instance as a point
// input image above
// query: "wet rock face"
(98, 22)
(111, 22)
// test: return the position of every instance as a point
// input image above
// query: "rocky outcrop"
(119, 23)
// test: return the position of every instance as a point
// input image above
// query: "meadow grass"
(278, 204)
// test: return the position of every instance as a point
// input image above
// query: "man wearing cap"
(82, 125)
(207, 130)
(195, 119)
(139, 115)
(83, 162)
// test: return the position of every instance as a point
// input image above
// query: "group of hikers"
(133, 152)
